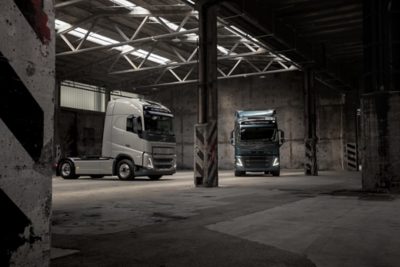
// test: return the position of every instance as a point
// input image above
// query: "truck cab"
(257, 139)
(138, 140)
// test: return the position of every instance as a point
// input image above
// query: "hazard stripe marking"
(12, 229)
(20, 111)
(199, 136)
(36, 17)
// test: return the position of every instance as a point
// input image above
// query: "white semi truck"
(138, 140)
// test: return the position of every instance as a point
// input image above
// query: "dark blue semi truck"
(257, 140)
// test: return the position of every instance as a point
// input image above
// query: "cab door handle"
(127, 145)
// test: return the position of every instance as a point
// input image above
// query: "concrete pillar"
(27, 65)
(310, 124)
(380, 104)
(107, 97)
(206, 131)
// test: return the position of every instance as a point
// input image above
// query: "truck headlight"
(239, 162)
(148, 161)
(276, 162)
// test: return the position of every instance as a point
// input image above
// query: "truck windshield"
(257, 133)
(158, 124)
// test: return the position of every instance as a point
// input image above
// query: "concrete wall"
(80, 132)
(26, 130)
(283, 92)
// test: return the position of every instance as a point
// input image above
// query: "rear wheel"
(67, 170)
(155, 177)
(240, 173)
(97, 176)
(125, 170)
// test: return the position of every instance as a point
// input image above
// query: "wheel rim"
(66, 169)
(124, 170)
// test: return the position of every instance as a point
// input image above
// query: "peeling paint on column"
(33, 13)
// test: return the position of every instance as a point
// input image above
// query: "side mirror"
(232, 139)
(281, 137)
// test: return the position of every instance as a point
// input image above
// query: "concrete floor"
(257, 220)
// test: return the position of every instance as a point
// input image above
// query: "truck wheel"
(67, 170)
(97, 176)
(276, 173)
(125, 170)
(239, 173)
(155, 177)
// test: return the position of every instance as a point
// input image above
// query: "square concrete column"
(27, 69)
(206, 131)
(380, 104)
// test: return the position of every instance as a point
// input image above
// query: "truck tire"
(155, 177)
(67, 170)
(239, 173)
(276, 173)
(125, 169)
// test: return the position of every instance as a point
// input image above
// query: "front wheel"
(239, 173)
(155, 177)
(67, 170)
(276, 173)
(125, 170)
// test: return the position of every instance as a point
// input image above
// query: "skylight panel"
(124, 3)
(104, 40)
(169, 24)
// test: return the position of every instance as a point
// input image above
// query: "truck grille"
(163, 157)
(163, 150)
(163, 163)
(257, 162)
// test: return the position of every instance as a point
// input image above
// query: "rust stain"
(36, 17)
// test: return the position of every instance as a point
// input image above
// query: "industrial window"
(82, 96)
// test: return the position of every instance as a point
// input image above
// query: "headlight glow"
(239, 162)
(276, 162)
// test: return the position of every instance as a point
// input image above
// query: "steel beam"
(128, 42)
(223, 77)
(191, 62)
(67, 3)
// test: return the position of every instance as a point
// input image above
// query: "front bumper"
(157, 164)
(146, 172)
(257, 164)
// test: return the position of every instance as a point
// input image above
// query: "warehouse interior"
(328, 68)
